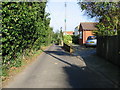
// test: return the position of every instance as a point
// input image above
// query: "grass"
(27, 60)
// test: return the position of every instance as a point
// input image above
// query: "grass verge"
(27, 60)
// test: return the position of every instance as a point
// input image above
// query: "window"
(91, 38)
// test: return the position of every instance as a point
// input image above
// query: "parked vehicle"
(91, 41)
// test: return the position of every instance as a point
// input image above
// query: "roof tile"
(88, 25)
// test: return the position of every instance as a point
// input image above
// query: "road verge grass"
(25, 61)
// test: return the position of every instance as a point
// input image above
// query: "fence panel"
(108, 47)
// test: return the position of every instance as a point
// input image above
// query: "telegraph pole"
(65, 17)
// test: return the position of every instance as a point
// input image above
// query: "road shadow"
(82, 77)
(100, 65)
(76, 75)
(104, 67)
(82, 47)
(58, 52)
(49, 53)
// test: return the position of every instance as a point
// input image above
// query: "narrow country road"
(57, 69)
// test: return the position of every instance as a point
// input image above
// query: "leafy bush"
(75, 39)
(67, 39)
(25, 26)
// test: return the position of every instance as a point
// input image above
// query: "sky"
(74, 15)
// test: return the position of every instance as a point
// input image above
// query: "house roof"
(77, 27)
(88, 25)
(68, 32)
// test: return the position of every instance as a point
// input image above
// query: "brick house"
(85, 30)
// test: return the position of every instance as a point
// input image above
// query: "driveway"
(55, 68)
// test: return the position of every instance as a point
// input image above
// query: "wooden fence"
(108, 47)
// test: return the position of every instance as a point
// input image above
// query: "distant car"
(91, 41)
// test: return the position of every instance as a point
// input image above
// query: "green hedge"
(25, 27)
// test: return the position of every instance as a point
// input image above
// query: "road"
(55, 68)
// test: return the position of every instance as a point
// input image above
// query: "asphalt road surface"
(57, 69)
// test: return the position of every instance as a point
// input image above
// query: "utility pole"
(65, 17)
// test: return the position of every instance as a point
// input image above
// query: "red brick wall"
(86, 34)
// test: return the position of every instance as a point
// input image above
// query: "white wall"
(76, 32)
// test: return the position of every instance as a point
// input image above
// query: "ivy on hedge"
(25, 25)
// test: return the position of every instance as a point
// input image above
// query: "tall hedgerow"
(25, 27)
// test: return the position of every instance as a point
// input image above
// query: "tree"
(108, 14)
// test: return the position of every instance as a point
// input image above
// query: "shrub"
(75, 39)
(67, 39)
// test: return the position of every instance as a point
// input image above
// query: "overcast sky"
(74, 15)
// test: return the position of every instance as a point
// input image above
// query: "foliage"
(25, 27)
(75, 39)
(61, 37)
(58, 37)
(67, 39)
(108, 14)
